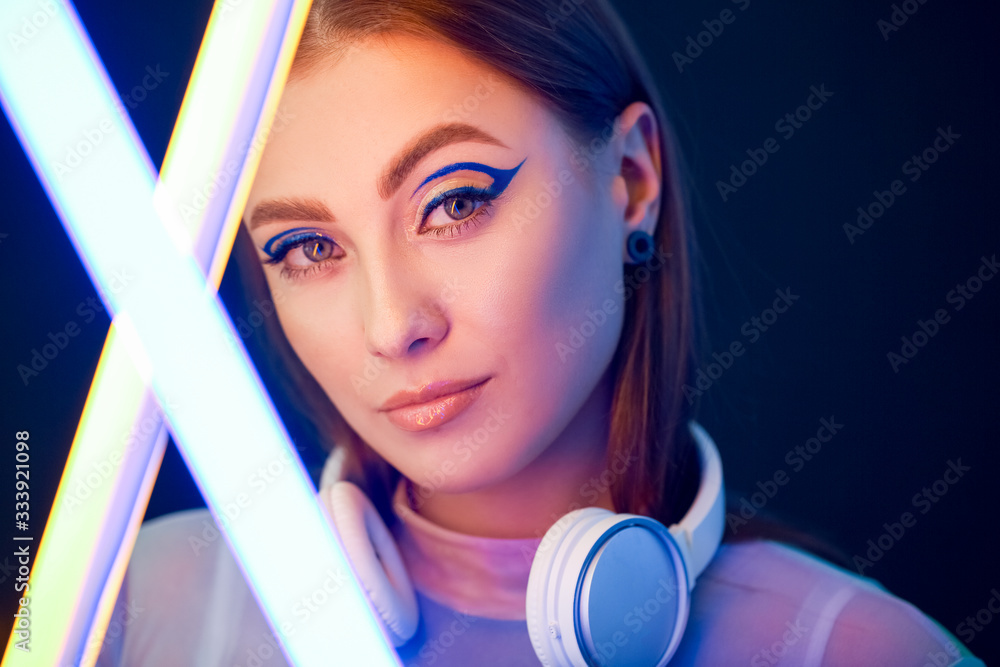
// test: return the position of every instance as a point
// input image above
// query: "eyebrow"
(399, 168)
(435, 138)
(288, 210)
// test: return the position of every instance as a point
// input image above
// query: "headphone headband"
(699, 533)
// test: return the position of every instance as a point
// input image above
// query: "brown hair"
(575, 57)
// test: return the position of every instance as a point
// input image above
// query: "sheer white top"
(184, 602)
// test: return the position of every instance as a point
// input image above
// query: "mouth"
(432, 405)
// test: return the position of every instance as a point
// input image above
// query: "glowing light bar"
(81, 559)
(176, 325)
(120, 443)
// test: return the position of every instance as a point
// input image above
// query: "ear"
(638, 168)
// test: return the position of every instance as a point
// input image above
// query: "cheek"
(321, 339)
(560, 285)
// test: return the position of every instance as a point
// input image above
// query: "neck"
(571, 473)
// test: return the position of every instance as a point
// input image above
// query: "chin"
(449, 473)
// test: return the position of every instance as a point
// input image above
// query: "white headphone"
(604, 588)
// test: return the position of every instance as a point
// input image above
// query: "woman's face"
(426, 227)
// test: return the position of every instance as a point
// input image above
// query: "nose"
(403, 312)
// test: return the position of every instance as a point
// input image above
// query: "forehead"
(356, 114)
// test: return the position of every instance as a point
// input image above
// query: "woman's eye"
(452, 212)
(317, 251)
(463, 207)
(301, 250)
(459, 208)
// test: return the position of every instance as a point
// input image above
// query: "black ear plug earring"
(640, 246)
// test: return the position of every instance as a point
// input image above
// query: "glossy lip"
(433, 404)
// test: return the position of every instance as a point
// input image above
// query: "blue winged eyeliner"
(501, 177)
(289, 239)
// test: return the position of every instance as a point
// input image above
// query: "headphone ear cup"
(548, 575)
(376, 559)
(609, 589)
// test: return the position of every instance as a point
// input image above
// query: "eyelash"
(299, 274)
(297, 240)
(294, 241)
(479, 195)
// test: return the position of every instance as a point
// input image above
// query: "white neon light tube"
(182, 339)
(81, 559)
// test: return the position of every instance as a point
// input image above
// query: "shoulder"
(190, 530)
(762, 602)
(172, 565)
(183, 597)
(174, 555)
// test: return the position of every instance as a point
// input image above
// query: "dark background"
(826, 357)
